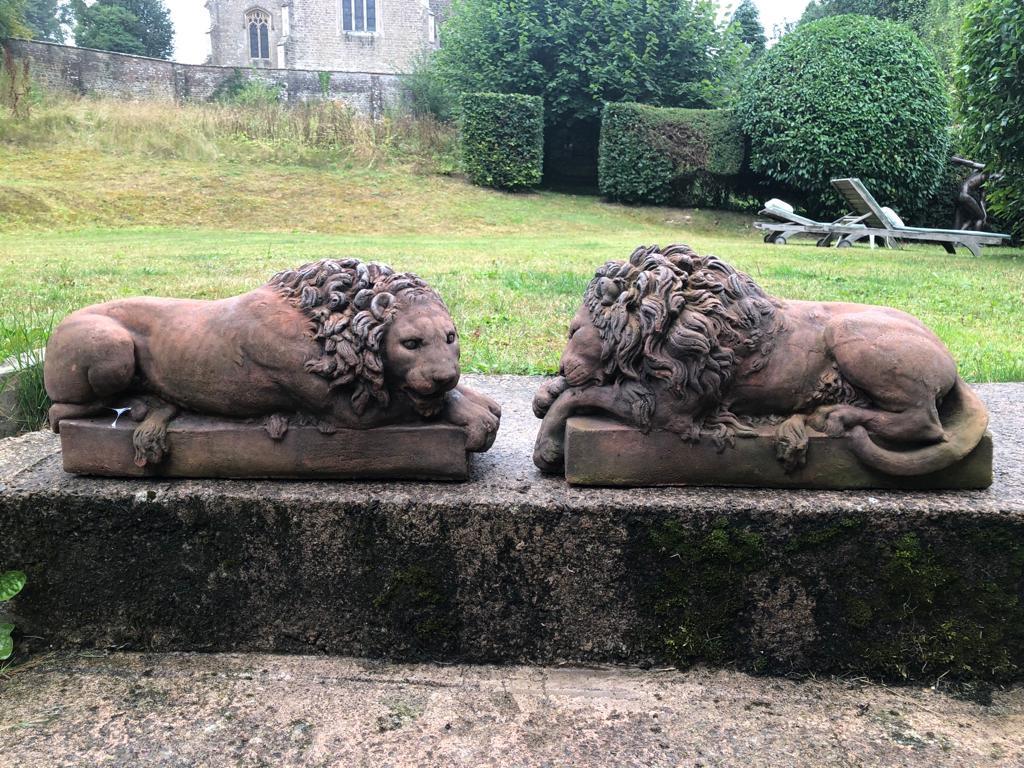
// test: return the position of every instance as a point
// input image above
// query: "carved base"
(206, 447)
(604, 452)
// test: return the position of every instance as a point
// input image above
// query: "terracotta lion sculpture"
(674, 341)
(336, 343)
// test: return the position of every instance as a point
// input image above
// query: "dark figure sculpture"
(670, 340)
(970, 203)
(337, 343)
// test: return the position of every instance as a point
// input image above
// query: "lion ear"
(608, 290)
(380, 305)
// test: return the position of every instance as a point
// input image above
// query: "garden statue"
(332, 345)
(670, 342)
(970, 202)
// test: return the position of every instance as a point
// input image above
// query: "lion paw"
(150, 442)
(476, 417)
(791, 443)
(276, 426)
(547, 394)
(549, 454)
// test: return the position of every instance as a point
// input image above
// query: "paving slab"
(514, 566)
(196, 710)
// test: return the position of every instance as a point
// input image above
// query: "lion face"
(581, 359)
(421, 355)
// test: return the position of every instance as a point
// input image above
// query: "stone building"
(380, 36)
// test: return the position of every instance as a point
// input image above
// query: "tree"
(848, 96)
(12, 18)
(47, 19)
(990, 83)
(748, 22)
(908, 11)
(141, 27)
(578, 54)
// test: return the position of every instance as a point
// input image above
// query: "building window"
(431, 27)
(257, 24)
(359, 15)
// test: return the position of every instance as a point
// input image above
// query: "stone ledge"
(516, 566)
(243, 710)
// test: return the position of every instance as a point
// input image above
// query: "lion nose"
(444, 382)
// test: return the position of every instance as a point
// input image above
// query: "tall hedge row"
(848, 96)
(990, 80)
(661, 155)
(502, 139)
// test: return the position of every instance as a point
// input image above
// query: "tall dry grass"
(312, 133)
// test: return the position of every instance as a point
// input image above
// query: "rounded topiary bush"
(848, 96)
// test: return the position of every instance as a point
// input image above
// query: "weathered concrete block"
(516, 566)
(205, 447)
(599, 451)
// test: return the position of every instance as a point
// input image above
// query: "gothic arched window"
(359, 15)
(257, 24)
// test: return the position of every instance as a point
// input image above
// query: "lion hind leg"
(918, 424)
(276, 426)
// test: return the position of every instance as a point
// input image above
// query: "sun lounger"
(882, 221)
(788, 223)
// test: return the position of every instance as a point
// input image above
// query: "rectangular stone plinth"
(515, 565)
(603, 452)
(217, 448)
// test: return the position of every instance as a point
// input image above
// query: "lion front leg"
(150, 437)
(478, 414)
(633, 404)
(791, 442)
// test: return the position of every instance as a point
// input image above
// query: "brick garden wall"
(86, 71)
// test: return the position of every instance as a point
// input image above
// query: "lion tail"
(964, 428)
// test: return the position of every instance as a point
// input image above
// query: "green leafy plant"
(425, 91)
(663, 155)
(11, 583)
(990, 82)
(502, 139)
(848, 96)
(325, 83)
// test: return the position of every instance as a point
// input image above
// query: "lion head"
(377, 330)
(670, 315)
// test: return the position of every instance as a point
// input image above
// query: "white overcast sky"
(192, 22)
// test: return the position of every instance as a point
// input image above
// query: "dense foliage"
(577, 54)
(990, 81)
(748, 24)
(662, 155)
(848, 96)
(141, 27)
(12, 18)
(502, 138)
(936, 22)
(47, 19)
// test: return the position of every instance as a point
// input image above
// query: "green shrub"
(661, 155)
(426, 93)
(848, 96)
(502, 137)
(990, 81)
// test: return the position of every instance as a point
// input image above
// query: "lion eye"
(411, 343)
(451, 337)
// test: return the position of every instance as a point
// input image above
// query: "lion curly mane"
(683, 318)
(350, 304)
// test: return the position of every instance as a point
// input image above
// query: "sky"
(192, 22)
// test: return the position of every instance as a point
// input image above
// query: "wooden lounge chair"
(883, 222)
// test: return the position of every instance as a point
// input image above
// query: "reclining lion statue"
(674, 341)
(336, 343)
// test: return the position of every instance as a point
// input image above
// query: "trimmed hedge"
(502, 138)
(663, 155)
(848, 96)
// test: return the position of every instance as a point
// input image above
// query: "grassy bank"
(100, 199)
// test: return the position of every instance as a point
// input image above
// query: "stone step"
(513, 566)
(246, 709)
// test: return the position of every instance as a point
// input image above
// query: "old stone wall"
(86, 71)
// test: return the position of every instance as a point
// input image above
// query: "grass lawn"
(81, 223)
